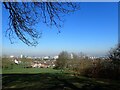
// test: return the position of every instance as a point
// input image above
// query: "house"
(43, 64)
(16, 61)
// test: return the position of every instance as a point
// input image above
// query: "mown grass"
(51, 79)
(17, 77)
(29, 70)
(55, 81)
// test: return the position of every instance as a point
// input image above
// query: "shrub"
(7, 63)
(61, 62)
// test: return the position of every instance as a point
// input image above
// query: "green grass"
(18, 78)
(19, 69)
(55, 81)
(30, 70)
(50, 79)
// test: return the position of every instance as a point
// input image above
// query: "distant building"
(56, 57)
(93, 57)
(11, 56)
(71, 56)
(29, 57)
(16, 61)
(46, 57)
(22, 56)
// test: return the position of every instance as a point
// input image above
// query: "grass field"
(29, 70)
(16, 77)
(51, 79)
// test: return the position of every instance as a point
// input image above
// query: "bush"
(7, 63)
(98, 68)
(102, 69)
(61, 62)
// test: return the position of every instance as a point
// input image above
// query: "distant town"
(52, 57)
(44, 61)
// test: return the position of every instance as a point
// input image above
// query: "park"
(59, 45)
(18, 77)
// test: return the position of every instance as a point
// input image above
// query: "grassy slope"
(50, 79)
(55, 81)
(29, 70)
(21, 78)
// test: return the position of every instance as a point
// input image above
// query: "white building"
(21, 56)
(71, 56)
(16, 61)
(46, 57)
(11, 56)
(56, 57)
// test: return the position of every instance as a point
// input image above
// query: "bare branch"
(23, 16)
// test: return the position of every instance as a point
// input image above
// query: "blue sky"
(92, 30)
(0, 29)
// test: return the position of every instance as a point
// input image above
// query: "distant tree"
(61, 62)
(114, 55)
(74, 63)
(75, 56)
(82, 55)
(23, 16)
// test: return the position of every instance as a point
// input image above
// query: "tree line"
(96, 68)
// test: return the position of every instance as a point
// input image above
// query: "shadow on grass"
(56, 81)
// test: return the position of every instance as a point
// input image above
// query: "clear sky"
(0, 29)
(92, 30)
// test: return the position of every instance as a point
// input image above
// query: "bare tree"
(23, 16)
(114, 54)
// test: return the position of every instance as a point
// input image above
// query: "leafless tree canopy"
(23, 16)
(114, 54)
